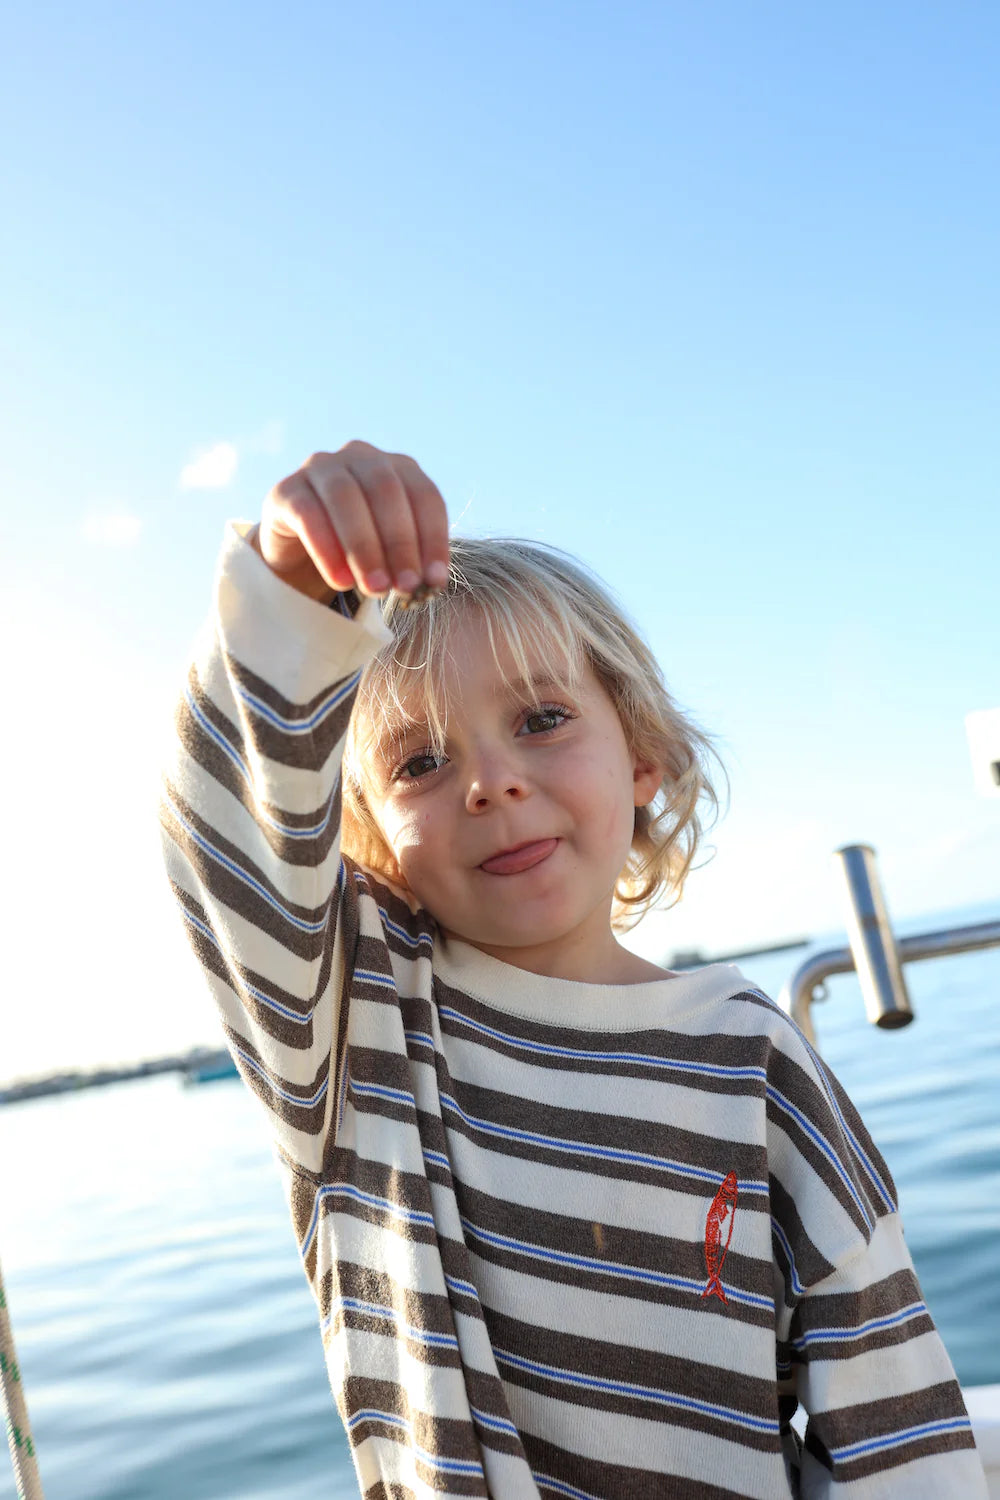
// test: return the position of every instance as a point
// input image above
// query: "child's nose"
(494, 779)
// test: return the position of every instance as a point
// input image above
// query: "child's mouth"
(514, 861)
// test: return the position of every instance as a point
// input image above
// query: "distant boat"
(210, 1069)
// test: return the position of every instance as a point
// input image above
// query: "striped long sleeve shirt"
(567, 1241)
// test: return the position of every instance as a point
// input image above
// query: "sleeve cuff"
(281, 634)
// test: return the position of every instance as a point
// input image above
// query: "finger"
(349, 511)
(430, 516)
(393, 517)
(297, 535)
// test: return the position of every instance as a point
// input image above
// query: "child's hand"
(357, 519)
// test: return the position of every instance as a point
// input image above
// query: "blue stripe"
(256, 1067)
(376, 1310)
(561, 1487)
(779, 1235)
(463, 1288)
(704, 1070)
(216, 734)
(495, 1424)
(382, 1091)
(819, 1140)
(423, 940)
(247, 880)
(438, 1158)
(446, 1465)
(422, 1038)
(584, 1054)
(372, 976)
(394, 1210)
(861, 1155)
(260, 812)
(300, 1018)
(299, 726)
(606, 1267)
(859, 1152)
(586, 1148)
(370, 1200)
(897, 1439)
(637, 1392)
(874, 1325)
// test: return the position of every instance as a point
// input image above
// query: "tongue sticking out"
(514, 862)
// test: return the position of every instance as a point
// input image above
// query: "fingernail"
(437, 574)
(378, 582)
(407, 582)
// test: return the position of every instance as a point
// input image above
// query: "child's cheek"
(422, 864)
(409, 834)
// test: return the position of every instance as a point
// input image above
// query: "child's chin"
(515, 934)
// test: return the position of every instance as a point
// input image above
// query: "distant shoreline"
(74, 1080)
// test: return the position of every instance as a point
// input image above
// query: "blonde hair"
(543, 606)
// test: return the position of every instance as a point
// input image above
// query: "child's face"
(514, 839)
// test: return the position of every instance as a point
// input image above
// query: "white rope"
(22, 1446)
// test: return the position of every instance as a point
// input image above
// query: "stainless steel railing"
(873, 951)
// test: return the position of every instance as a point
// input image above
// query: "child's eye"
(421, 764)
(543, 720)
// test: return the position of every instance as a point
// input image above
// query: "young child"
(576, 1226)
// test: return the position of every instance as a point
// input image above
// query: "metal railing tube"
(807, 981)
(876, 957)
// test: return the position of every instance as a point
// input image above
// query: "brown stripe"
(643, 1368)
(445, 1437)
(811, 1266)
(848, 1310)
(408, 1191)
(663, 1047)
(387, 1069)
(793, 1081)
(873, 1419)
(297, 1035)
(214, 877)
(309, 749)
(419, 925)
(885, 1460)
(401, 1111)
(208, 753)
(265, 1084)
(364, 1320)
(615, 1481)
(427, 1310)
(793, 1085)
(628, 1248)
(607, 1129)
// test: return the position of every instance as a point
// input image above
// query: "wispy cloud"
(214, 467)
(211, 468)
(112, 529)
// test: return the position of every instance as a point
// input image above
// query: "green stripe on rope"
(19, 1439)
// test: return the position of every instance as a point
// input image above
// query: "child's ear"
(647, 778)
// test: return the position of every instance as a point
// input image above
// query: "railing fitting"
(874, 954)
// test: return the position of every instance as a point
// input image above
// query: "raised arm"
(251, 793)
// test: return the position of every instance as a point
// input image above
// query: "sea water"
(167, 1338)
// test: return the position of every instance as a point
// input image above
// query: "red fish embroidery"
(723, 1208)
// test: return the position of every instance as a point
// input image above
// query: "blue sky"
(706, 295)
